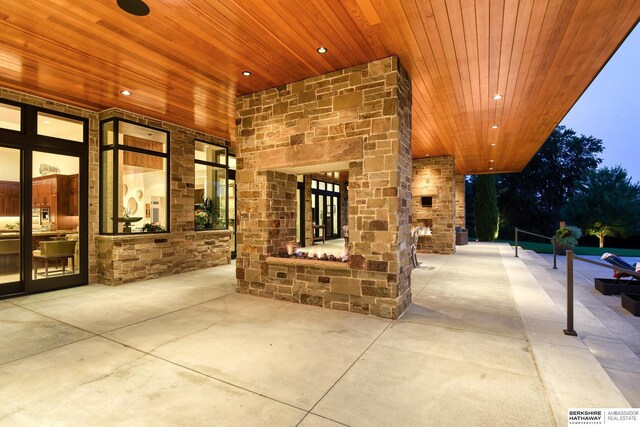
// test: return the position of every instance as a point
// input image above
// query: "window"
(211, 187)
(134, 177)
(10, 117)
(61, 127)
(426, 201)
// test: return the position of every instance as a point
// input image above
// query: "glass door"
(11, 280)
(54, 237)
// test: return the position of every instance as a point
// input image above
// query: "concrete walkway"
(479, 346)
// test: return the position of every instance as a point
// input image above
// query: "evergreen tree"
(533, 199)
(609, 205)
(485, 208)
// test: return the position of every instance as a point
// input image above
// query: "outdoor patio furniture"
(616, 261)
(320, 228)
(617, 286)
(54, 250)
(414, 246)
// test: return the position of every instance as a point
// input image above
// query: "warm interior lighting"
(493, 144)
(246, 73)
(491, 161)
(322, 50)
(495, 126)
(126, 92)
(497, 97)
(490, 169)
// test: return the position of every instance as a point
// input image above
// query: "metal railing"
(541, 236)
(570, 258)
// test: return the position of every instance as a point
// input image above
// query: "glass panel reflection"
(55, 215)
(10, 117)
(10, 258)
(60, 127)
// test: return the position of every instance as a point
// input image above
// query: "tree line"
(562, 182)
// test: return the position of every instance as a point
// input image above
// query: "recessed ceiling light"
(497, 97)
(126, 92)
(322, 50)
(491, 161)
(490, 169)
(134, 7)
(493, 145)
(246, 73)
(495, 126)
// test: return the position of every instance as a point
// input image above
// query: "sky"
(610, 108)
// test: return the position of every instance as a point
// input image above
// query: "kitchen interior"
(54, 215)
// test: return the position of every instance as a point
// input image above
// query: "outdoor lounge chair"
(616, 261)
(414, 247)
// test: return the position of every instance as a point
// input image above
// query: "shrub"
(567, 236)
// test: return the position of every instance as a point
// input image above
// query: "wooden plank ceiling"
(183, 61)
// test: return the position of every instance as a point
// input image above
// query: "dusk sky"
(610, 108)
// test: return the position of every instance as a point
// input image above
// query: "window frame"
(224, 166)
(116, 148)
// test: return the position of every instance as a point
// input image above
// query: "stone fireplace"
(434, 203)
(357, 119)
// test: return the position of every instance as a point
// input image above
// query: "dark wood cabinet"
(9, 198)
(59, 193)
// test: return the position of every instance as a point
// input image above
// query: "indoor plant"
(566, 238)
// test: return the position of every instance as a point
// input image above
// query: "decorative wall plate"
(139, 194)
(125, 189)
(132, 205)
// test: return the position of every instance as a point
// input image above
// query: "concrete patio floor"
(481, 344)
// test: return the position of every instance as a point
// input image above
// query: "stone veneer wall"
(460, 201)
(94, 172)
(361, 115)
(111, 258)
(133, 257)
(129, 258)
(434, 176)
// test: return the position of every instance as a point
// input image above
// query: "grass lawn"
(545, 248)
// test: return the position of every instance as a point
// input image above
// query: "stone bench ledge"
(163, 235)
(308, 263)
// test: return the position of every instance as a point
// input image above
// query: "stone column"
(434, 177)
(358, 118)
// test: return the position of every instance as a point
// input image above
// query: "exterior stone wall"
(183, 248)
(460, 201)
(130, 258)
(434, 176)
(110, 258)
(360, 117)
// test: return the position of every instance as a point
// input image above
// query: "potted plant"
(212, 209)
(566, 238)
